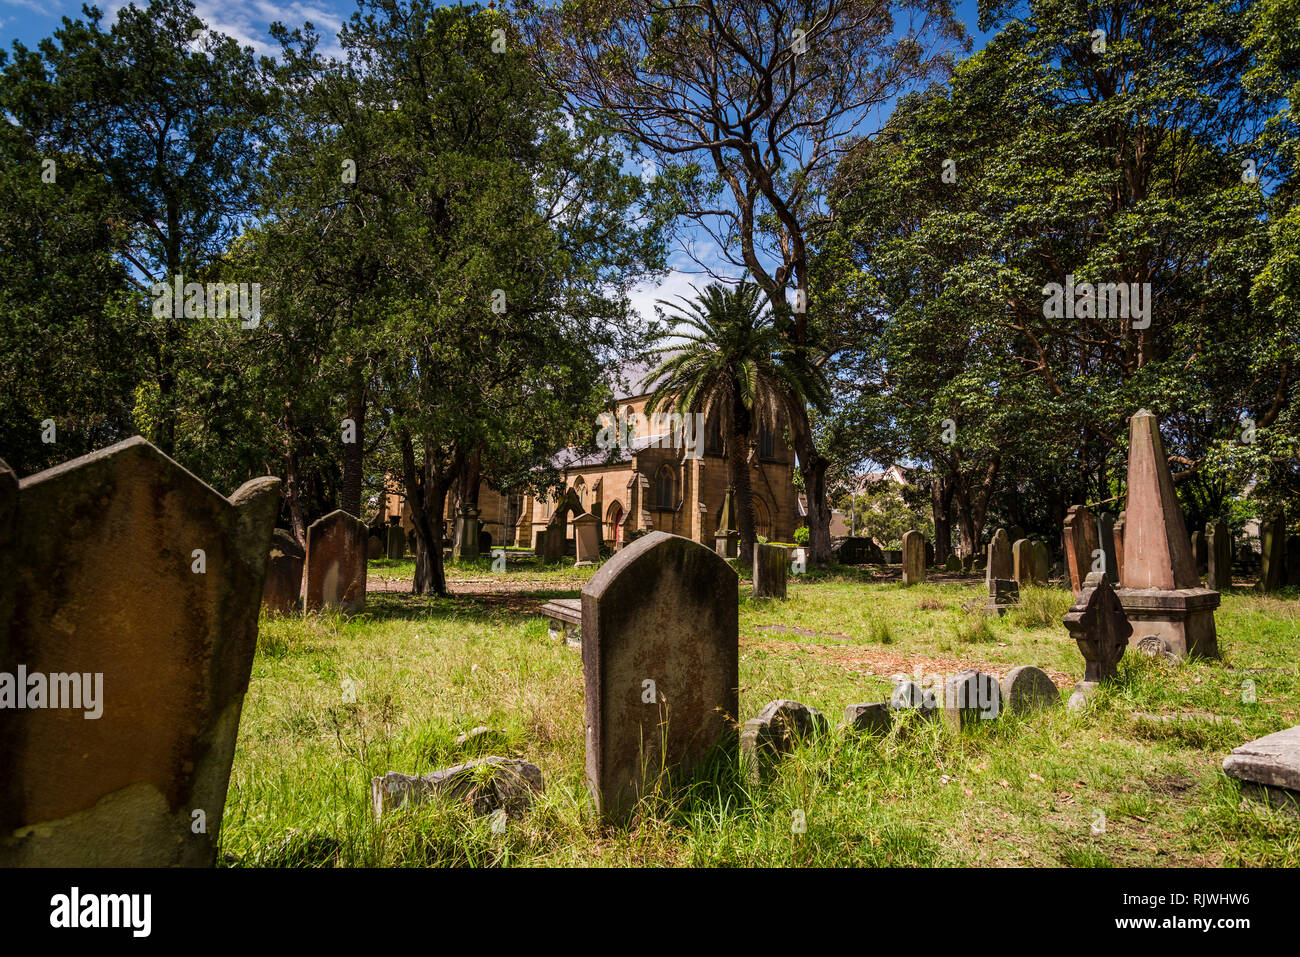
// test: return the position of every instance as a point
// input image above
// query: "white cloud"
(247, 21)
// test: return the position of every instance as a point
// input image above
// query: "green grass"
(1019, 791)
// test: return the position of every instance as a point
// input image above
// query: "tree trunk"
(940, 506)
(738, 472)
(350, 499)
(812, 466)
(426, 491)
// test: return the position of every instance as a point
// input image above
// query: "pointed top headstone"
(726, 521)
(1157, 550)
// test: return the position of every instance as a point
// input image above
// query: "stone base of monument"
(727, 544)
(1184, 618)
(1003, 593)
(564, 620)
(1269, 769)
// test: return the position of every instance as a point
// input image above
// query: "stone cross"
(1096, 621)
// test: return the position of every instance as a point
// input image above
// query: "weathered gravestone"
(464, 545)
(1097, 623)
(1022, 562)
(660, 659)
(129, 634)
(336, 563)
(1003, 593)
(858, 551)
(771, 567)
(282, 592)
(1269, 769)
(999, 563)
(376, 548)
(1026, 689)
(1198, 552)
(869, 718)
(779, 726)
(726, 540)
(1293, 560)
(1042, 563)
(586, 539)
(1162, 592)
(1106, 545)
(1080, 534)
(913, 558)
(953, 565)
(929, 554)
(970, 697)
(396, 542)
(1118, 534)
(485, 784)
(1272, 537)
(1218, 556)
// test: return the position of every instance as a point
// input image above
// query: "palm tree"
(726, 357)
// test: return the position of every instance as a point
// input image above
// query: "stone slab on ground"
(1273, 760)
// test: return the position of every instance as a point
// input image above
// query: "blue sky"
(29, 21)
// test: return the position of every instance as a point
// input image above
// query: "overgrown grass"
(335, 701)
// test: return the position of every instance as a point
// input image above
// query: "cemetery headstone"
(1162, 592)
(283, 589)
(464, 546)
(336, 563)
(870, 718)
(485, 784)
(660, 660)
(1027, 688)
(1080, 534)
(1118, 534)
(771, 568)
(999, 558)
(1218, 554)
(1003, 593)
(396, 542)
(1272, 536)
(1042, 563)
(1022, 561)
(586, 539)
(858, 551)
(375, 548)
(726, 540)
(1199, 555)
(129, 598)
(779, 726)
(970, 697)
(1293, 560)
(953, 565)
(913, 557)
(1106, 542)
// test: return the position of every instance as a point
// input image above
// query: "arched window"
(762, 518)
(713, 434)
(766, 442)
(665, 487)
(580, 489)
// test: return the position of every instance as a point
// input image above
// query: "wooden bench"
(564, 617)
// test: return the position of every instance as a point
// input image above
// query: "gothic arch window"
(665, 487)
(762, 519)
(713, 434)
(580, 489)
(766, 441)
